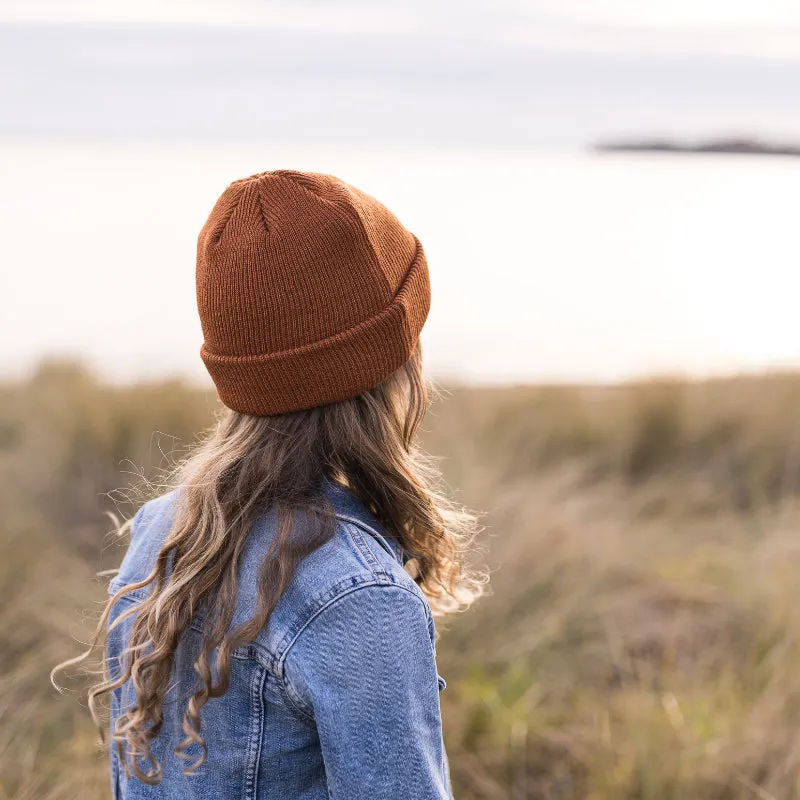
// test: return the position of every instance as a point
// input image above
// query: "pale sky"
(677, 13)
(486, 73)
(645, 13)
(768, 28)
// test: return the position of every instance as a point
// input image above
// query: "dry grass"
(643, 635)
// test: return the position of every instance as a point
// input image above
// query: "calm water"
(544, 266)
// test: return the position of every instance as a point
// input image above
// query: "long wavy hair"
(245, 466)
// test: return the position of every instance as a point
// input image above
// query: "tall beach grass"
(642, 637)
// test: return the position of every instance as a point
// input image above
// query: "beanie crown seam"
(219, 231)
(262, 212)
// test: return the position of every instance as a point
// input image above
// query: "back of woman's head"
(311, 296)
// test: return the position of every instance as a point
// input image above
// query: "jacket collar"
(348, 507)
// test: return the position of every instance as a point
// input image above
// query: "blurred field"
(643, 635)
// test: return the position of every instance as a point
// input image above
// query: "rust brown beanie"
(309, 292)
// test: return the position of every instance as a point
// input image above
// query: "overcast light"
(649, 13)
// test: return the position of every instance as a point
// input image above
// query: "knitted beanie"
(309, 292)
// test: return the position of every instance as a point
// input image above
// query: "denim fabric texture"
(337, 698)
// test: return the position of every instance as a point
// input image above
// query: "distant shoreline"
(731, 146)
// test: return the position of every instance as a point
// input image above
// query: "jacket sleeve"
(364, 669)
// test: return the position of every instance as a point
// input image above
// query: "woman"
(269, 633)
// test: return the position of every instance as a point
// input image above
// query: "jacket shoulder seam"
(339, 595)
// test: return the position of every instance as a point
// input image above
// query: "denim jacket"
(338, 697)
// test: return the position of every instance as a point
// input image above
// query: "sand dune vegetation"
(642, 635)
